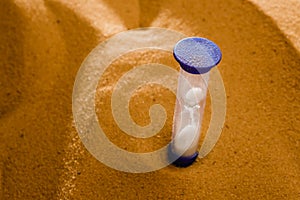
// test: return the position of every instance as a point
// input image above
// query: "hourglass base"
(182, 161)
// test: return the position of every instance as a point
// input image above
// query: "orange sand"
(42, 44)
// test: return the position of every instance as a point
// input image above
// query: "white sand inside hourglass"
(184, 138)
(188, 133)
(194, 96)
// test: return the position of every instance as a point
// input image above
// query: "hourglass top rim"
(197, 55)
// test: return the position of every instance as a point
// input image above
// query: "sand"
(43, 43)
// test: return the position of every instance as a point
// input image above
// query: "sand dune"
(42, 45)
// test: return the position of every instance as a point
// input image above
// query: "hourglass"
(196, 56)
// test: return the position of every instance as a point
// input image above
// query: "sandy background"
(42, 44)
